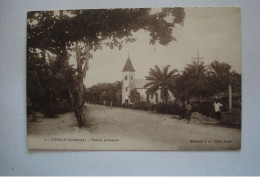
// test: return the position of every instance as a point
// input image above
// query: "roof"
(128, 66)
(225, 95)
(139, 83)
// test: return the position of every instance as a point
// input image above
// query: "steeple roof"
(128, 66)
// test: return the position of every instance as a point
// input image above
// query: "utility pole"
(230, 98)
(198, 58)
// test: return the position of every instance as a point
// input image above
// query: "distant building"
(130, 83)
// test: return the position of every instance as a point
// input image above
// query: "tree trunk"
(80, 103)
(81, 74)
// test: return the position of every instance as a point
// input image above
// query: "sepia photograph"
(146, 79)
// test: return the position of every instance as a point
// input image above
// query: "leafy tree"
(235, 81)
(36, 69)
(108, 93)
(118, 94)
(192, 81)
(104, 92)
(46, 87)
(161, 79)
(200, 80)
(220, 76)
(134, 96)
(85, 31)
(219, 73)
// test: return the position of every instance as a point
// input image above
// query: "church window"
(131, 77)
(126, 78)
(126, 89)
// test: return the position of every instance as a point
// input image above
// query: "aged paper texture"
(134, 79)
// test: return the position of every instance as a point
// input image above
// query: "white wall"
(129, 83)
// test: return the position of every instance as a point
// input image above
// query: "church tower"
(128, 74)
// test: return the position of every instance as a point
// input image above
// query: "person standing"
(188, 110)
(111, 104)
(85, 104)
(217, 106)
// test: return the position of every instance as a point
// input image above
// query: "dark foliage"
(83, 32)
(59, 107)
(204, 108)
(198, 80)
(161, 79)
(169, 108)
(134, 96)
(105, 93)
(142, 105)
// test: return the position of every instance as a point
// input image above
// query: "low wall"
(231, 117)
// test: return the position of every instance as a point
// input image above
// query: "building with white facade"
(130, 83)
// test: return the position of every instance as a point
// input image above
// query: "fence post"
(230, 98)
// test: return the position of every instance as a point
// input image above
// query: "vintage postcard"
(134, 79)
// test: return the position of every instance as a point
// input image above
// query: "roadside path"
(128, 129)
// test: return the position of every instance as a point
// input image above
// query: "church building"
(130, 83)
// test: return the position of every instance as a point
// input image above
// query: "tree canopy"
(161, 79)
(134, 96)
(104, 92)
(85, 31)
(192, 81)
(50, 29)
(198, 80)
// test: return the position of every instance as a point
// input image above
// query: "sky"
(215, 32)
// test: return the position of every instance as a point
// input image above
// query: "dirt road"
(128, 129)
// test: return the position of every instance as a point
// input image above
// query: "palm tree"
(161, 79)
(192, 82)
(219, 74)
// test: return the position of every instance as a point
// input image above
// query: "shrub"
(50, 110)
(169, 108)
(59, 107)
(205, 108)
(141, 105)
(117, 104)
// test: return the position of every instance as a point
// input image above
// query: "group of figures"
(216, 111)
